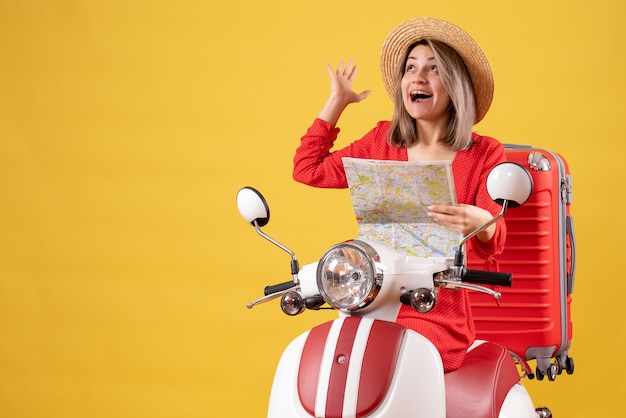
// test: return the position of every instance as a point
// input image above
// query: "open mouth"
(419, 95)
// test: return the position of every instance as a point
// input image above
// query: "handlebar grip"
(269, 290)
(488, 277)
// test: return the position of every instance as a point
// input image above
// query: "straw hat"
(407, 33)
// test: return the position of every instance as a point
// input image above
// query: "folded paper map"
(391, 199)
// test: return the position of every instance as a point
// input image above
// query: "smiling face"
(424, 96)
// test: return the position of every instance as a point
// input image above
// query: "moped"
(363, 364)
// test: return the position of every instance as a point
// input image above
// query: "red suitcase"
(532, 318)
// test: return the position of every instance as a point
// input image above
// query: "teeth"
(419, 94)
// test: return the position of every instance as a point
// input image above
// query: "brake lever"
(453, 284)
(269, 297)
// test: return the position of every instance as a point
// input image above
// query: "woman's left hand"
(463, 218)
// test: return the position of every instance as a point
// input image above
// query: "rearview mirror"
(253, 207)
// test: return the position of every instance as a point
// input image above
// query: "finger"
(438, 217)
(330, 70)
(447, 221)
(363, 95)
(351, 70)
(340, 67)
(442, 209)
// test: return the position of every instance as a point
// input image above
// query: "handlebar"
(491, 278)
(276, 288)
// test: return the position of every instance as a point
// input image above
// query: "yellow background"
(127, 127)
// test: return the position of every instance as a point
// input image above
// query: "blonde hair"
(458, 83)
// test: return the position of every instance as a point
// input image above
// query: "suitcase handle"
(569, 230)
(517, 146)
(487, 277)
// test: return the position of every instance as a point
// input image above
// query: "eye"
(409, 68)
(433, 69)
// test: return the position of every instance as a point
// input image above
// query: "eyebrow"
(415, 58)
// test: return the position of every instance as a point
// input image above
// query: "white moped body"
(363, 364)
(366, 365)
(416, 384)
(411, 377)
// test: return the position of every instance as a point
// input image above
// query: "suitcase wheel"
(569, 365)
(551, 372)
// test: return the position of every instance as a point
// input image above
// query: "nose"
(418, 77)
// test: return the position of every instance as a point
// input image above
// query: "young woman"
(441, 84)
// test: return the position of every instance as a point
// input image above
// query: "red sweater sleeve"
(471, 168)
(315, 164)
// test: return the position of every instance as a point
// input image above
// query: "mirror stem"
(472, 234)
(459, 257)
(295, 267)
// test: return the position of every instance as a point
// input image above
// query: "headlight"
(347, 277)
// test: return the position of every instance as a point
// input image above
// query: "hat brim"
(407, 33)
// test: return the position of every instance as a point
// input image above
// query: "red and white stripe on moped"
(347, 366)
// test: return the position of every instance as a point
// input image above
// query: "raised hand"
(341, 93)
(342, 80)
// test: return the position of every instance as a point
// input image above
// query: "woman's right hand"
(341, 93)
